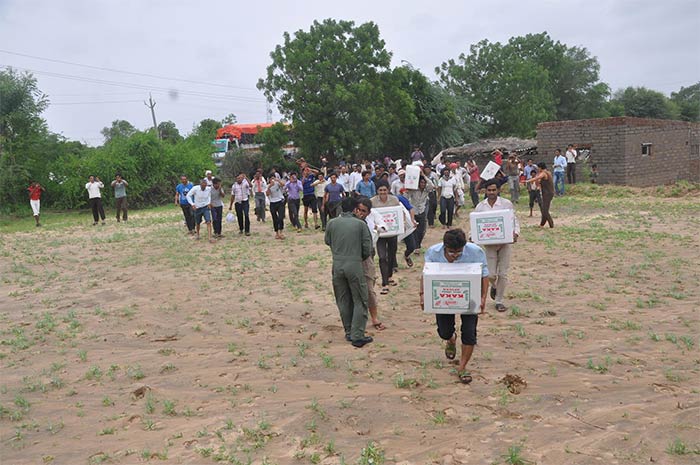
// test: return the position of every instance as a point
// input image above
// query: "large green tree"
(22, 134)
(119, 129)
(328, 82)
(688, 101)
(529, 79)
(642, 103)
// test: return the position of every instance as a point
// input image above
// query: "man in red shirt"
(497, 157)
(35, 189)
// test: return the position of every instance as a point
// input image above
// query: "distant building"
(628, 151)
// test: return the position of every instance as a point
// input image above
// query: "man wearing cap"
(199, 198)
(399, 184)
(209, 177)
(498, 255)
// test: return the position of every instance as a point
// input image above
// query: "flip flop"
(409, 262)
(384, 291)
(450, 350)
(379, 326)
(464, 376)
(393, 283)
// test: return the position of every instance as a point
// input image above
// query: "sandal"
(393, 283)
(379, 326)
(464, 376)
(409, 262)
(384, 291)
(450, 350)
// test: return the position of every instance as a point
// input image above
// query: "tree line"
(335, 84)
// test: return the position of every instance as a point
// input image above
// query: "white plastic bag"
(230, 218)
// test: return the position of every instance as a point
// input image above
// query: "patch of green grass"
(514, 456)
(371, 454)
(678, 447)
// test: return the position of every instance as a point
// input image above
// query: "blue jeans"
(559, 182)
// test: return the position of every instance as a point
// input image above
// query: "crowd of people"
(342, 203)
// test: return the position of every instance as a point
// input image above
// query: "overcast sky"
(187, 46)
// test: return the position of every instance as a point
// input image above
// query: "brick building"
(630, 151)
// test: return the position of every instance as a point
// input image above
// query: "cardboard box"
(490, 170)
(492, 227)
(412, 177)
(452, 288)
(393, 218)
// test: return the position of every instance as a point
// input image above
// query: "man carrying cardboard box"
(498, 255)
(455, 249)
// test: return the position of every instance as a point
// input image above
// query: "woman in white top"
(447, 189)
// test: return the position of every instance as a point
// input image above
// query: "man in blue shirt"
(455, 249)
(334, 193)
(309, 198)
(366, 187)
(559, 170)
(181, 192)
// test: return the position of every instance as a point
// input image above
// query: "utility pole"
(152, 104)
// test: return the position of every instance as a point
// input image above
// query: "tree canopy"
(528, 80)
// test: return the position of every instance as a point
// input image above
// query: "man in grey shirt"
(119, 185)
(217, 206)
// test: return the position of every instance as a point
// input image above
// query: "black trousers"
(473, 194)
(293, 205)
(446, 327)
(97, 209)
(432, 208)
(216, 215)
(277, 212)
(242, 209)
(386, 249)
(189, 216)
(571, 173)
(419, 233)
(322, 211)
(535, 198)
(447, 209)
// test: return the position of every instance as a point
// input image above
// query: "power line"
(112, 70)
(95, 103)
(137, 86)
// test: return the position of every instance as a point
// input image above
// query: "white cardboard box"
(412, 177)
(393, 218)
(490, 170)
(492, 227)
(452, 288)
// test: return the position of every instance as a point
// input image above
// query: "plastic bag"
(230, 218)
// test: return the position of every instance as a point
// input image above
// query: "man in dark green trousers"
(350, 243)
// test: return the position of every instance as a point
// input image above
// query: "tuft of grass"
(678, 447)
(514, 456)
(372, 454)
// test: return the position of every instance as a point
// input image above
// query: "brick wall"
(616, 147)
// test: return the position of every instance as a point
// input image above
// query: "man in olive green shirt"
(350, 242)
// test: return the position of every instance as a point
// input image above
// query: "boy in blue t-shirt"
(181, 192)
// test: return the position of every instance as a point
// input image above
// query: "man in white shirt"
(498, 255)
(375, 223)
(95, 199)
(240, 193)
(571, 155)
(209, 177)
(355, 177)
(399, 183)
(344, 179)
(447, 189)
(199, 198)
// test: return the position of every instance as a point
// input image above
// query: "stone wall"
(616, 147)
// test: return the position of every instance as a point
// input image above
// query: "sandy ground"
(131, 343)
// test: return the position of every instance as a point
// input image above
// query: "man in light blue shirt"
(559, 170)
(455, 249)
(366, 187)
